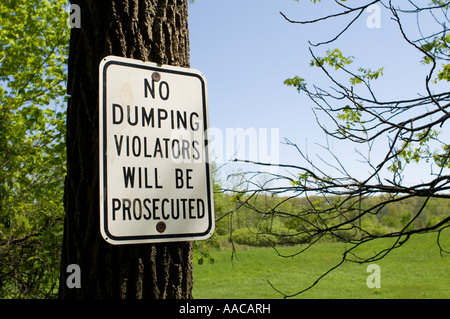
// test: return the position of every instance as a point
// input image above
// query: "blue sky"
(246, 50)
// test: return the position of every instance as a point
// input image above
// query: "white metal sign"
(155, 174)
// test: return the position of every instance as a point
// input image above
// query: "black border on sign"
(105, 184)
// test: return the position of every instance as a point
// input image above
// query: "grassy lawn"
(416, 270)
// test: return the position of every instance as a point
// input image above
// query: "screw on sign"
(156, 76)
(161, 227)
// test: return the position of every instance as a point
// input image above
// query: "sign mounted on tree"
(155, 173)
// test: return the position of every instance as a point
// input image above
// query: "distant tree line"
(266, 220)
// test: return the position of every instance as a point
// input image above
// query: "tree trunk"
(149, 30)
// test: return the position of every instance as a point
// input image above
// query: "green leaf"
(297, 82)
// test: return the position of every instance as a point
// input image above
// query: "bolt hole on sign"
(155, 173)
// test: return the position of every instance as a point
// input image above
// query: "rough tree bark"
(149, 30)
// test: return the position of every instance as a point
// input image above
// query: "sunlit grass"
(416, 270)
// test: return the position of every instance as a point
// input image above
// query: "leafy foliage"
(33, 54)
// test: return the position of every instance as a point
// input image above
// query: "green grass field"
(416, 270)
